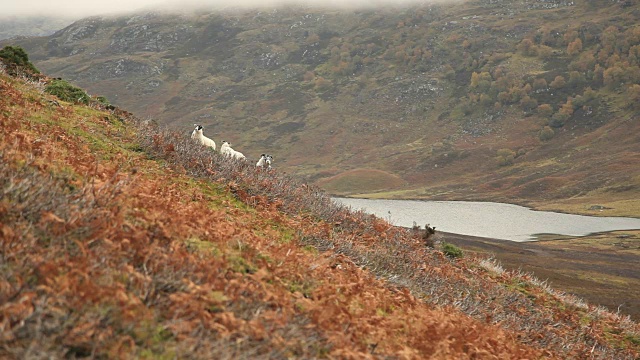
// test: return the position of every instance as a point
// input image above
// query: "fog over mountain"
(84, 8)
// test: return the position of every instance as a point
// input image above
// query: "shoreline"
(529, 204)
(602, 268)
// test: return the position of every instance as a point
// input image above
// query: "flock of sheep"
(225, 148)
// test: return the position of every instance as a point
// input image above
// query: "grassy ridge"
(124, 239)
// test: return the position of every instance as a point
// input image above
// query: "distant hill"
(14, 26)
(530, 102)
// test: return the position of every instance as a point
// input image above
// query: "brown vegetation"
(122, 239)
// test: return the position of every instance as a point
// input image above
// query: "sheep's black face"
(199, 127)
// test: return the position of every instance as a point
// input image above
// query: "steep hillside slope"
(122, 239)
(501, 100)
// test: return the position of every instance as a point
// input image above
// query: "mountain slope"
(124, 239)
(530, 102)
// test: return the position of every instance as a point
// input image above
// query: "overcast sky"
(78, 8)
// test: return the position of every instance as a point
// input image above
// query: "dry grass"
(124, 239)
(361, 181)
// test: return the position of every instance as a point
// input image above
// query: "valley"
(532, 103)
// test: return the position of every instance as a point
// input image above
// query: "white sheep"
(265, 161)
(225, 149)
(198, 135)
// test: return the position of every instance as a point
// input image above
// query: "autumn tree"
(525, 47)
(589, 94)
(613, 76)
(309, 76)
(633, 92)
(583, 62)
(544, 52)
(545, 110)
(322, 84)
(575, 47)
(505, 157)
(546, 133)
(576, 79)
(567, 108)
(312, 39)
(558, 120)
(558, 83)
(539, 84)
(528, 103)
(570, 36)
(480, 81)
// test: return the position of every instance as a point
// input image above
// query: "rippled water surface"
(486, 219)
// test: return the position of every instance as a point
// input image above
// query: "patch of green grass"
(218, 298)
(195, 244)
(67, 92)
(311, 249)
(304, 287)
(451, 250)
(634, 339)
(522, 287)
(155, 341)
(240, 265)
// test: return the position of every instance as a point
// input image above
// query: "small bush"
(103, 100)
(16, 58)
(451, 250)
(558, 120)
(546, 134)
(505, 157)
(67, 92)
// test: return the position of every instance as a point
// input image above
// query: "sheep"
(198, 135)
(265, 161)
(225, 149)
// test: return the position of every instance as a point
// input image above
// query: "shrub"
(16, 58)
(558, 119)
(528, 103)
(103, 100)
(540, 84)
(545, 110)
(558, 83)
(451, 250)
(322, 84)
(546, 133)
(505, 157)
(633, 92)
(67, 92)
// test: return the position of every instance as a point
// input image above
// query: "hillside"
(530, 102)
(123, 239)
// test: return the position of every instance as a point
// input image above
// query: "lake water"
(487, 219)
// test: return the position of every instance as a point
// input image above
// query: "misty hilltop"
(14, 26)
(532, 102)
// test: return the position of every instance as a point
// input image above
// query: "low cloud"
(77, 8)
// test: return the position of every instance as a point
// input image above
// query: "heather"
(124, 239)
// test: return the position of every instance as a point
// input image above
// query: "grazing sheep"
(225, 149)
(198, 135)
(265, 161)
